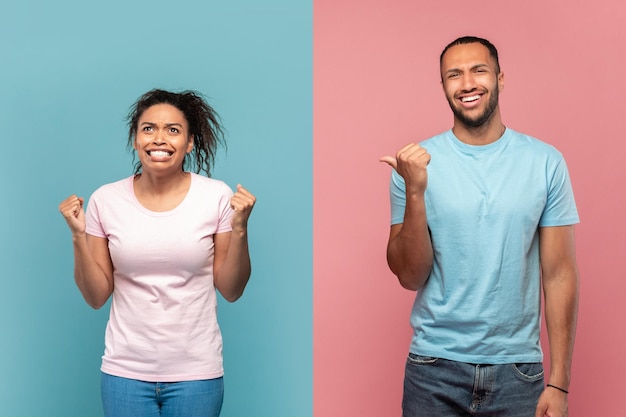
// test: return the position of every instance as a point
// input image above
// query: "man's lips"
(468, 99)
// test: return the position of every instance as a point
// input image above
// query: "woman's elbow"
(96, 304)
(232, 296)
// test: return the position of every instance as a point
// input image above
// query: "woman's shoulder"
(202, 181)
(114, 188)
(209, 186)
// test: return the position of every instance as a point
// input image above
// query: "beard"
(483, 117)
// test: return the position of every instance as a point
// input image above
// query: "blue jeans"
(122, 397)
(444, 388)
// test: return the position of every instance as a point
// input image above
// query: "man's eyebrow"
(471, 68)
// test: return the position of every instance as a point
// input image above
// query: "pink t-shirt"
(163, 320)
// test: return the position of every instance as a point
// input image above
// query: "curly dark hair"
(204, 124)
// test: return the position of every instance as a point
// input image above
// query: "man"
(482, 219)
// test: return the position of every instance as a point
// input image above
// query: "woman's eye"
(173, 130)
(147, 128)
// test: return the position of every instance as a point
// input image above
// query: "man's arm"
(409, 250)
(560, 286)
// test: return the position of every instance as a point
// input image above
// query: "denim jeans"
(122, 397)
(444, 388)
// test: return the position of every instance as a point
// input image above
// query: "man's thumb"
(390, 160)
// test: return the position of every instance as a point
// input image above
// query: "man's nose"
(468, 82)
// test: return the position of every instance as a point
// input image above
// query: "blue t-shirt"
(484, 205)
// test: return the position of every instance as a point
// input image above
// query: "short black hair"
(464, 40)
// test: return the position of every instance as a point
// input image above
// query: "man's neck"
(487, 133)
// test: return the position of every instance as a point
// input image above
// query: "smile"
(160, 154)
(470, 98)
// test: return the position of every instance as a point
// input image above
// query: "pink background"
(376, 87)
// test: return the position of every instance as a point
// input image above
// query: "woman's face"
(162, 139)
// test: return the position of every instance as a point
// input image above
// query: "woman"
(161, 242)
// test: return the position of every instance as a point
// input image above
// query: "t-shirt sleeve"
(92, 217)
(560, 209)
(397, 195)
(225, 211)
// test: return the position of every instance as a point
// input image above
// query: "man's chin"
(473, 122)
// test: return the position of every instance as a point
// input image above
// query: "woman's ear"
(190, 143)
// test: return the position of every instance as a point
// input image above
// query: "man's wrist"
(563, 390)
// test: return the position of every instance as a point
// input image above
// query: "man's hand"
(410, 162)
(552, 403)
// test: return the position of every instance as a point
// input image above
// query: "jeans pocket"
(421, 360)
(529, 371)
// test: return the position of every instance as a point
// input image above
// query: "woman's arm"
(93, 268)
(231, 264)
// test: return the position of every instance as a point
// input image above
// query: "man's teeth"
(472, 98)
(159, 154)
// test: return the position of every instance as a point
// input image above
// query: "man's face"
(471, 83)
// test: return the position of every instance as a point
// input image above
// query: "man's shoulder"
(532, 143)
(435, 140)
(438, 136)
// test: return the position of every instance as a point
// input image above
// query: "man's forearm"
(410, 252)
(561, 310)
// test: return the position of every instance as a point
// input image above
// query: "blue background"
(70, 70)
